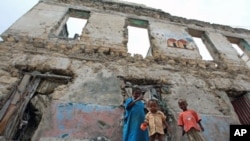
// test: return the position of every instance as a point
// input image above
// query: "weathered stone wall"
(88, 107)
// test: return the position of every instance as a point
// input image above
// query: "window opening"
(238, 45)
(75, 26)
(237, 49)
(197, 37)
(75, 23)
(138, 39)
(202, 49)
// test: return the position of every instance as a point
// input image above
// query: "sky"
(226, 12)
(233, 13)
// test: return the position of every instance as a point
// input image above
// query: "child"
(156, 120)
(134, 116)
(189, 121)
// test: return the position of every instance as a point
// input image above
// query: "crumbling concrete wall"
(88, 107)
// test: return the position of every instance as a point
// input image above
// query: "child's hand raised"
(140, 98)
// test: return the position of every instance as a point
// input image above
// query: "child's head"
(182, 104)
(136, 92)
(153, 105)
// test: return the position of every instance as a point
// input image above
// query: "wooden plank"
(20, 89)
(12, 127)
(17, 96)
(12, 113)
(49, 75)
(7, 116)
(6, 105)
(16, 118)
(4, 109)
(24, 83)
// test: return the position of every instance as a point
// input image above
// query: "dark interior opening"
(241, 104)
(29, 123)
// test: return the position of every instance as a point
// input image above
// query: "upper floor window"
(138, 38)
(198, 37)
(75, 22)
(239, 45)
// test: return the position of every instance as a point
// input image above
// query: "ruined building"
(56, 87)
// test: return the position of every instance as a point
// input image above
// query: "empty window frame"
(198, 39)
(239, 45)
(75, 22)
(138, 38)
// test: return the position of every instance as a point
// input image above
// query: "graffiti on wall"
(89, 121)
(180, 43)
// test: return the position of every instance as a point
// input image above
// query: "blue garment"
(134, 116)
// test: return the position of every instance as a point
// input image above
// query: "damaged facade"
(53, 87)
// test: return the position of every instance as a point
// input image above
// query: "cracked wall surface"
(88, 107)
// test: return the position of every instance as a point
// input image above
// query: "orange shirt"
(155, 121)
(189, 119)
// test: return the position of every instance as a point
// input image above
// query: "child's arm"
(134, 101)
(181, 123)
(199, 122)
(144, 126)
(166, 124)
(183, 131)
(145, 123)
(167, 127)
(198, 119)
